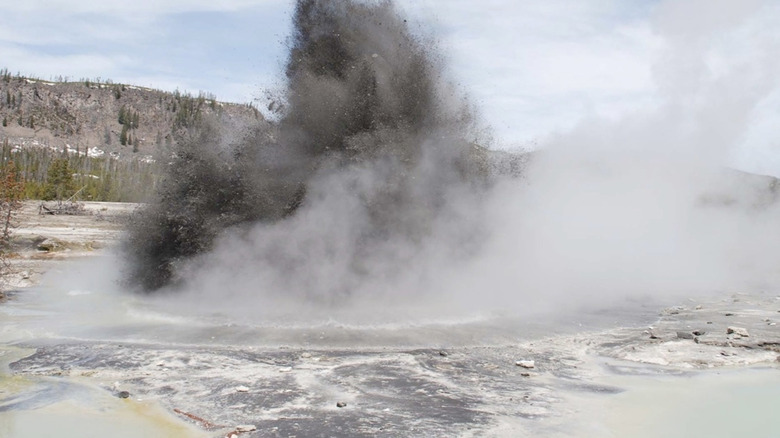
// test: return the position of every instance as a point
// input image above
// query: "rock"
(123, 394)
(728, 314)
(244, 428)
(25, 275)
(305, 355)
(341, 405)
(699, 332)
(49, 245)
(525, 374)
(699, 307)
(443, 354)
(525, 364)
(242, 389)
(684, 335)
(739, 331)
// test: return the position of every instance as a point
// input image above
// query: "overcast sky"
(534, 68)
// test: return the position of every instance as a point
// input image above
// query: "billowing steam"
(366, 159)
(371, 192)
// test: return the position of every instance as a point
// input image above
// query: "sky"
(534, 69)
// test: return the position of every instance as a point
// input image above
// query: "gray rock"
(699, 332)
(684, 335)
(739, 331)
(443, 354)
(341, 405)
(49, 245)
(525, 364)
(123, 394)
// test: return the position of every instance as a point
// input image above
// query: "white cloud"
(138, 8)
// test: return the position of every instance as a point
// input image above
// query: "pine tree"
(122, 115)
(8, 97)
(59, 180)
(11, 194)
(135, 144)
(123, 136)
(32, 122)
(5, 121)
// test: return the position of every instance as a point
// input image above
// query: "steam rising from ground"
(370, 194)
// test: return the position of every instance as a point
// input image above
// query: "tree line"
(59, 175)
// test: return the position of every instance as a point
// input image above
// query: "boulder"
(739, 331)
(50, 245)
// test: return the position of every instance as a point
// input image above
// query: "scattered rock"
(739, 331)
(25, 275)
(699, 332)
(242, 389)
(525, 364)
(525, 374)
(244, 428)
(443, 354)
(305, 355)
(699, 307)
(341, 404)
(123, 394)
(684, 335)
(728, 314)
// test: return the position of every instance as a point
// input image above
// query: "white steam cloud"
(613, 209)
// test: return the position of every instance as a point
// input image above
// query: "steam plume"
(369, 128)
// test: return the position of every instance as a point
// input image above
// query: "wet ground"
(75, 351)
(72, 347)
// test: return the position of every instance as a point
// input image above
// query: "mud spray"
(375, 190)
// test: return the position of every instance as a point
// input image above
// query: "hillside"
(102, 118)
